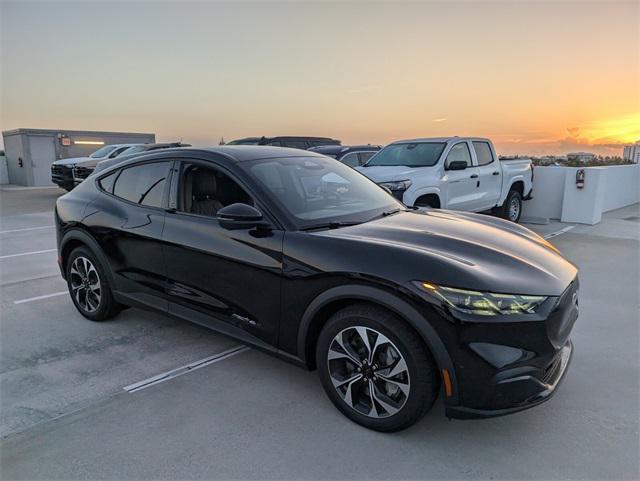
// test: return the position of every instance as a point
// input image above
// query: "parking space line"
(558, 232)
(26, 229)
(28, 253)
(37, 298)
(152, 381)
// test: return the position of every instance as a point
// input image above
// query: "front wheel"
(375, 368)
(512, 207)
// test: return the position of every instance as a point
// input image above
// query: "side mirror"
(457, 165)
(239, 216)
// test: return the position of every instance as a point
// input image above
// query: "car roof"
(243, 153)
(438, 139)
(285, 137)
(337, 149)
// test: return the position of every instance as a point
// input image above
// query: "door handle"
(496, 173)
(474, 176)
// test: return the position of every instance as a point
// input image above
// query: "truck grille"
(82, 172)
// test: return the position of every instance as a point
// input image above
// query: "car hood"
(387, 173)
(73, 160)
(465, 250)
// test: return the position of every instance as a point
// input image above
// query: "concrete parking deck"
(65, 414)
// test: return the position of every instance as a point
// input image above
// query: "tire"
(512, 207)
(398, 403)
(85, 270)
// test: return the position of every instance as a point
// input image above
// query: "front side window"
(418, 154)
(483, 152)
(459, 152)
(365, 156)
(315, 190)
(142, 184)
(205, 190)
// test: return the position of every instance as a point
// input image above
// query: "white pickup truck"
(459, 173)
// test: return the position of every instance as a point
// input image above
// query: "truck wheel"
(512, 207)
(375, 369)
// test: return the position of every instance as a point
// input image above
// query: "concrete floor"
(64, 413)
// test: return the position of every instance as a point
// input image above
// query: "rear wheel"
(375, 368)
(88, 286)
(512, 207)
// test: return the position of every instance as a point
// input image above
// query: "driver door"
(462, 185)
(229, 280)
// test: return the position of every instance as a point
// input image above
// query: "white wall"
(555, 195)
(622, 186)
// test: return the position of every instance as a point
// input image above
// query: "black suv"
(352, 155)
(303, 143)
(303, 257)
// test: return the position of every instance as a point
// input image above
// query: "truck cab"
(457, 173)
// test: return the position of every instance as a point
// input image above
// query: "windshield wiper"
(330, 225)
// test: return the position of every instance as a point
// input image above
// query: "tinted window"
(483, 153)
(350, 159)
(102, 152)
(365, 156)
(106, 183)
(421, 154)
(295, 144)
(142, 184)
(459, 152)
(117, 152)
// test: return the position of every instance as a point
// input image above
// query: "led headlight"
(484, 303)
(398, 185)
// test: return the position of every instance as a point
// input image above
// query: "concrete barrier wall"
(4, 172)
(557, 197)
(622, 186)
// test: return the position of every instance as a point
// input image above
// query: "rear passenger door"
(490, 174)
(462, 185)
(127, 219)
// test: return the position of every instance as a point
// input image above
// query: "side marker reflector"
(447, 383)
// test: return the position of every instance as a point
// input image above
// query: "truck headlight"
(484, 303)
(397, 185)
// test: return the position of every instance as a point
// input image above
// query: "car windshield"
(320, 190)
(103, 151)
(410, 154)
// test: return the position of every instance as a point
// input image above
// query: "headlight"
(398, 185)
(484, 303)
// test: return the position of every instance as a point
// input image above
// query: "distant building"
(581, 156)
(632, 152)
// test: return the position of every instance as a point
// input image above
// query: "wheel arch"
(79, 237)
(332, 300)
(516, 184)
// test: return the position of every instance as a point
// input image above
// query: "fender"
(504, 194)
(81, 235)
(410, 200)
(391, 302)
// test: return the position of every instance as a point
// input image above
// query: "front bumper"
(543, 390)
(62, 175)
(504, 365)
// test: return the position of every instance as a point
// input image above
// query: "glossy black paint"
(273, 285)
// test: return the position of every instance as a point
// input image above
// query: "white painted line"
(26, 229)
(28, 253)
(37, 298)
(152, 381)
(561, 231)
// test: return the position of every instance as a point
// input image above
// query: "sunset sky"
(536, 77)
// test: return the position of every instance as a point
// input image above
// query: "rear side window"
(350, 159)
(295, 144)
(142, 184)
(483, 153)
(106, 183)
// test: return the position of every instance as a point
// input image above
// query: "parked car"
(385, 301)
(460, 173)
(352, 155)
(62, 170)
(287, 141)
(84, 169)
